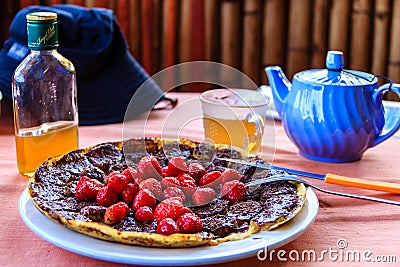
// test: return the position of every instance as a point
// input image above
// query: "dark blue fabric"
(107, 74)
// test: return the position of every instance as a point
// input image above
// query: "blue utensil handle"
(377, 98)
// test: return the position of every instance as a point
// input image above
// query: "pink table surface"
(363, 225)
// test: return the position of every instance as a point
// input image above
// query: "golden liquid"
(238, 133)
(33, 149)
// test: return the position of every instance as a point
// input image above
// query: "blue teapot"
(332, 114)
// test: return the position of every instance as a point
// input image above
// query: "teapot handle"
(377, 98)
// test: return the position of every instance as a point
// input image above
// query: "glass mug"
(235, 117)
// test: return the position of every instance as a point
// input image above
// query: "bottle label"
(47, 35)
(42, 35)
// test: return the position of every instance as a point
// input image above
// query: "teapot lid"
(335, 75)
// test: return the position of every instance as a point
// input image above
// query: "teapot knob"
(335, 60)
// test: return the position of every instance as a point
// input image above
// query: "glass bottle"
(44, 97)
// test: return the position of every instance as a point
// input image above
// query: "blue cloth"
(107, 74)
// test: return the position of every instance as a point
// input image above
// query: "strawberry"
(107, 196)
(144, 198)
(184, 176)
(203, 196)
(164, 171)
(233, 191)
(130, 174)
(170, 208)
(87, 189)
(230, 175)
(144, 214)
(110, 175)
(117, 181)
(116, 213)
(149, 167)
(176, 166)
(174, 192)
(167, 226)
(130, 192)
(196, 171)
(189, 223)
(210, 179)
(169, 181)
(154, 186)
(187, 183)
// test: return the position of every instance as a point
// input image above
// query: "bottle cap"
(42, 30)
(41, 16)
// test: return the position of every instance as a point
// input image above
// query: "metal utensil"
(328, 178)
(284, 177)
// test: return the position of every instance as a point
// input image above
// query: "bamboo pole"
(184, 32)
(274, 35)
(197, 30)
(122, 14)
(90, 3)
(360, 35)
(212, 32)
(298, 39)
(230, 33)
(251, 52)
(394, 53)
(339, 27)
(169, 30)
(147, 28)
(380, 37)
(319, 34)
(230, 40)
(134, 28)
(156, 36)
(25, 3)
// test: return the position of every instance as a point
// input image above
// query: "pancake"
(53, 188)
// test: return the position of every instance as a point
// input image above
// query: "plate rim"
(28, 211)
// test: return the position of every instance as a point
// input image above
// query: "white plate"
(108, 251)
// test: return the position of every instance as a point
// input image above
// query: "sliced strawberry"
(210, 179)
(149, 167)
(144, 214)
(189, 223)
(203, 196)
(107, 196)
(144, 198)
(116, 213)
(169, 181)
(196, 171)
(170, 208)
(167, 226)
(233, 191)
(130, 174)
(130, 192)
(174, 192)
(154, 186)
(176, 166)
(87, 189)
(230, 175)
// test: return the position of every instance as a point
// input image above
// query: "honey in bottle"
(44, 97)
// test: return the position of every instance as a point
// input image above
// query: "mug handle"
(259, 125)
(377, 98)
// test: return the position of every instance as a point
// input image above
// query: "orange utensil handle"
(363, 183)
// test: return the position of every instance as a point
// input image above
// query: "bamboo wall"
(252, 34)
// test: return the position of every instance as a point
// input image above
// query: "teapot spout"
(280, 86)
